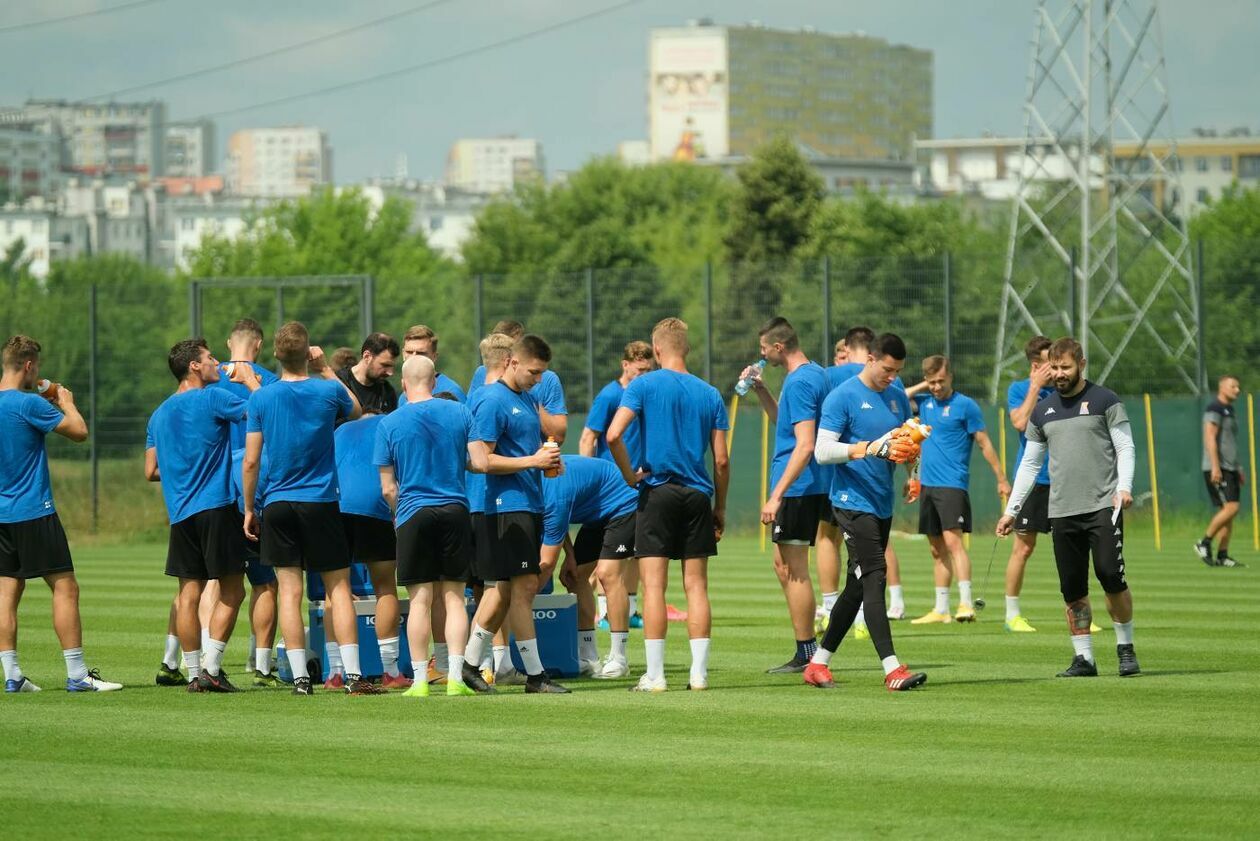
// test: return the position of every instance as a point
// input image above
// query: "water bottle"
(745, 383)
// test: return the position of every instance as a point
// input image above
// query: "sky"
(579, 89)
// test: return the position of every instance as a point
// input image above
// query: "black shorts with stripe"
(944, 509)
(34, 548)
(1034, 516)
(1228, 490)
(610, 540)
(798, 519)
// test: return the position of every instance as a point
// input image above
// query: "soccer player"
(368, 379)
(32, 542)
(861, 432)
(591, 493)
(369, 527)
(681, 416)
(1021, 398)
(421, 340)
(636, 360)
(1222, 471)
(188, 448)
(301, 524)
(506, 419)
(840, 354)
(243, 344)
(798, 491)
(1085, 430)
(548, 394)
(262, 583)
(944, 501)
(343, 357)
(421, 452)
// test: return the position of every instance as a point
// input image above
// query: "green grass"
(993, 746)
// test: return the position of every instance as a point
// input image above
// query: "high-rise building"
(107, 138)
(721, 91)
(493, 165)
(282, 162)
(30, 161)
(190, 149)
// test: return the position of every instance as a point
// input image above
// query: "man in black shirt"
(368, 379)
(1222, 470)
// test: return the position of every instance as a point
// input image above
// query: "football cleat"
(540, 684)
(357, 686)
(900, 679)
(302, 686)
(509, 677)
(167, 676)
(792, 667)
(92, 683)
(1128, 660)
(816, 674)
(1080, 667)
(697, 685)
(1019, 625)
(473, 680)
(1203, 550)
(861, 632)
(1093, 627)
(646, 684)
(397, 682)
(672, 614)
(602, 624)
(1224, 560)
(965, 613)
(336, 680)
(896, 613)
(194, 685)
(588, 668)
(931, 618)
(215, 683)
(612, 668)
(265, 681)
(458, 687)
(432, 674)
(419, 689)
(636, 620)
(22, 684)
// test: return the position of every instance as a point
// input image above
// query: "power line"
(425, 65)
(33, 24)
(205, 71)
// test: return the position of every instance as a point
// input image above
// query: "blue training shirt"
(549, 393)
(25, 490)
(265, 377)
(238, 482)
(946, 459)
(589, 491)
(837, 374)
(441, 383)
(858, 413)
(507, 420)
(191, 432)
(600, 418)
(475, 483)
(679, 413)
(427, 445)
(357, 476)
(296, 418)
(1015, 396)
(801, 399)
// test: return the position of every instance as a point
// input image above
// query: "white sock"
(419, 671)
(12, 671)
(829, 601)
(389, 655)
(502, 659)
(655, 651)
(253, 641)
(192, 662)
(262, 660)
(942, 600)
(619, 640)
(350, 657)
(205, 639)
(440, 653)
(170, 657)
(634, 604)
(964, 593)
(1124, 632)
(1083, 645)
(821, 656)
(75, 670)
(297, 662)
(214, 656)
(528, 649)
(487, 661)
(332, 652)
(700, 662)
(587, 649)
(477, 641)
(896, 598)
(890, 664)
(601, 607)
(1012, 607)
(859, 621)
(454, 668)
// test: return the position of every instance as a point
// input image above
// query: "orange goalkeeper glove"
(895, 448)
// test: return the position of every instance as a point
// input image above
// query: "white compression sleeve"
(828, 449)
(1122, 440)
(1026, 475)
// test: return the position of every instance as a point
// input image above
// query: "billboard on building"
(689, 95)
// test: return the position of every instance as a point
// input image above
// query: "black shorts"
(513, 545)
(674, 521)
(208, 545)
(944, 509)
(1229, 489)
(434, 544)
(34, 548)
(798, 518)
(1078, 537)
(477, 555)
(865, 537)
(1035, 515)
(369, 538)
(307, 535)
(609, 540)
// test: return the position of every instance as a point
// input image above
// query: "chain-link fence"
(106, 333)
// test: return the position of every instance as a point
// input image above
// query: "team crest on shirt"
(893, 407)
(1084, 407)
(945, 413)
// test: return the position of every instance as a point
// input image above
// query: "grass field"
(993, 746)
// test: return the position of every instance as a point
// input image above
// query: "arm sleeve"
(600, 415)
(1026, 475)
(975, 419)
(552, 396)
(228, 406)
(148, 435)
(720, 419)
(381, 455)
(253, 421)
(343, 403)
(486, 422)
(1015, 396)
(42, 414)
(1122, 441)
(828, 448)
(632, 397)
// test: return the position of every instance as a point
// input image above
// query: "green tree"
(1230, 231)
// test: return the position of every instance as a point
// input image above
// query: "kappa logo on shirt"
(621, 547)
(1117, 534)
(963, 520)
(778, 528)
(48, 503)
(866, 405)
(1084, 407)
(498, 501)
(1050, 411)
(844, 497)
(516, 410)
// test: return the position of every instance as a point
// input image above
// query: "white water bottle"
(745, 383)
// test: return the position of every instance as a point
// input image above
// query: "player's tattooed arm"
(1079, 617)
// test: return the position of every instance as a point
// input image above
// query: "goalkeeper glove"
(895, 448)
